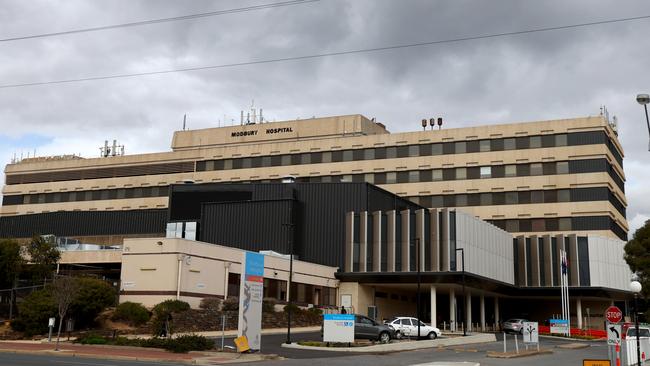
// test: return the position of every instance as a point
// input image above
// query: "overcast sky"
(546, 75)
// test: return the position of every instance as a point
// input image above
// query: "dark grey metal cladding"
(84, 223)
(255, 226)
(319, 214)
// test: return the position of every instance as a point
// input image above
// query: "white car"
(408, 327)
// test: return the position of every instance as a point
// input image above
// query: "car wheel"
(384, 337)
(432, 335)
(398, 335)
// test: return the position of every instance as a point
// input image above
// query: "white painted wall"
(488, 249)
(607, 268)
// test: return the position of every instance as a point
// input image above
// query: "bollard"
(223, 330)
(504, 342)
(516, 344)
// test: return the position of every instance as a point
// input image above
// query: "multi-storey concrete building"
(550, 186)
(537, 178)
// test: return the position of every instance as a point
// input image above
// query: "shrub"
(170, 306)
(93, 296)
(294, 308)
(163, 312)
(186, 343)
(268, 305)
(34, 312)
(91, 339)
(133, 313)
(230, 304)
(315, 311)
(210, 303)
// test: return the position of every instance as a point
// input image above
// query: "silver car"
(408, 327)
(514, 325)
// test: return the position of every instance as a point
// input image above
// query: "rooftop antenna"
(242, 118)
(440, 123)
(424, 124)
(184, 120)
(432, 122)
(261, 117)
(614, 125)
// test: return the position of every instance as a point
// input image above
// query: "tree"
(93, 296)
(34, 311)
(43, 255)
(64, 292)
(11, 262)
(637, 256)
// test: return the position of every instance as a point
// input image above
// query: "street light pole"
(417, 254)
(290, 302)
(635, 286)
(644, 99)
(462, 256)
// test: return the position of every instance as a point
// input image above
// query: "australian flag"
(565, 265)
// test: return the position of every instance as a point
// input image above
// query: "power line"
(162, 20)
(321, 55)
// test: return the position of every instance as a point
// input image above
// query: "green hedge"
(133, 313)
(182, 344)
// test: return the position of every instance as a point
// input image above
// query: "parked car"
(366, 328)
(408, 327)
(514, 325)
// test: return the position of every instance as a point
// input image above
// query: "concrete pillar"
(579, 312)
(468, 311)
(452, 310)
(444, 243)
(363, 241)
(376, 241)
(390, 241)
(496, 310)
(548, 261)
(521, 261)
(405, 245)
(574, 263)
(534, 262)
(482, 306)
(434, 240)
(419, 234)
(434, 307)
(349, 240)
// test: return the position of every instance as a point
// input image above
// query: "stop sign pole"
(614, 315)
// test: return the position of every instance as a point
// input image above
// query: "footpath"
(107, 352)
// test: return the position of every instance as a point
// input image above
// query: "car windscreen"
(643, 332)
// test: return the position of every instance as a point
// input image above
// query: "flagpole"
(562, 281)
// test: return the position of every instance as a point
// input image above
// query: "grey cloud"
(517, 78)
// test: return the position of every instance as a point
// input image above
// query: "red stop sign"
(613, 314)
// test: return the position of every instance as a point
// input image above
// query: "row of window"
(407, 176)
(95, 195)
(390, 152)
(519, 197)
(561, 224)
(404, 151)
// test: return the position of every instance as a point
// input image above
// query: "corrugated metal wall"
(254, 226)
(319, 216)
(84, 223)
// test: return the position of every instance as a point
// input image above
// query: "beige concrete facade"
(344, 133)
(157, 269)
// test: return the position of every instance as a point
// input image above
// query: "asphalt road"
(19, 359)
(271, 343)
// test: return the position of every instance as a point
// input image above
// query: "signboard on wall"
(338, 328)
(251, 291)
